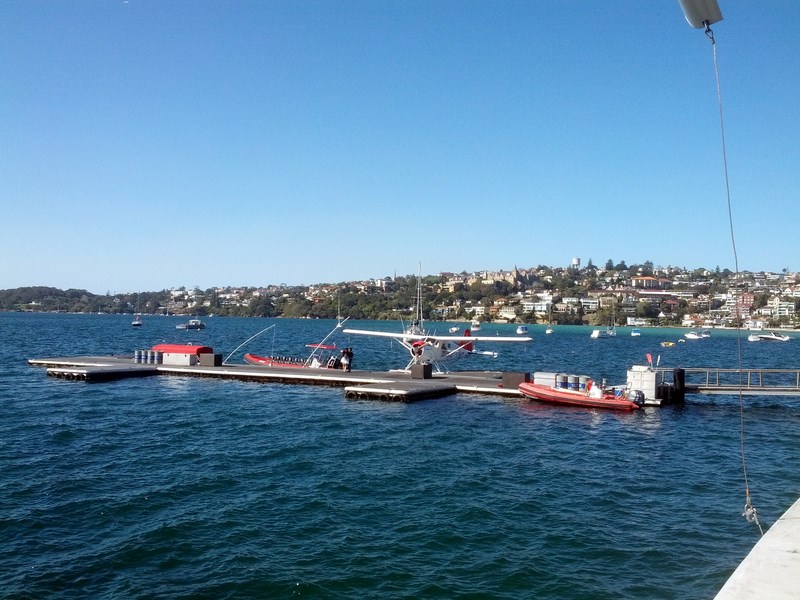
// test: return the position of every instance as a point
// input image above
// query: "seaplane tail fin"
(468, 345)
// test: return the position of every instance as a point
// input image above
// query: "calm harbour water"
(171, 487)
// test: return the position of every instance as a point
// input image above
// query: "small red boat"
(588, 398)
(324, 359)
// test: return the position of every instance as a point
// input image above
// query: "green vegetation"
(542, 294)
(358, 301)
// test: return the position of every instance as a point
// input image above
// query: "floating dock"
(408, 386)
(397, 386)
(101, 372)
(400, 391)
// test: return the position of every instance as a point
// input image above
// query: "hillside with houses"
(637, 295)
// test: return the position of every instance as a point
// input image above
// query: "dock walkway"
(747, 381)
(771, 568)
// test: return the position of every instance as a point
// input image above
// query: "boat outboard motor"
(636, 396)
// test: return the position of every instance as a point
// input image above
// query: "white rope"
(247, 341)
(750, 512)
(317, 347)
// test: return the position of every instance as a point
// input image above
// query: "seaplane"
(433, 349)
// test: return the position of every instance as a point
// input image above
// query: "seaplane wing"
(497, 338)
(427, 348)
(440, 338)
(382, 334)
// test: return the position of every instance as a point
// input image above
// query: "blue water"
(171, 487)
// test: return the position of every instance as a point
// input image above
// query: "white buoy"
(700, 13)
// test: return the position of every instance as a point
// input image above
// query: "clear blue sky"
(150, 144)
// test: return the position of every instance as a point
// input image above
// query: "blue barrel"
(561, 381)
(137, 356)
(582, 382)
(573, 382)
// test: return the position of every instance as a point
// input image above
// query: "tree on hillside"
(760, 300)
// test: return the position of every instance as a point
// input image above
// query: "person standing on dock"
(345, 360)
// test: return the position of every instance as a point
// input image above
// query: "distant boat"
(604, 333)
(636, 332)
(610, 331)
(191, 324)
(697, 335)
(668, 344)
(137, 316)
(549, 330)
(476, 325)
(522, 329)
(454, 329)
(339, 319)
(768, 337)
